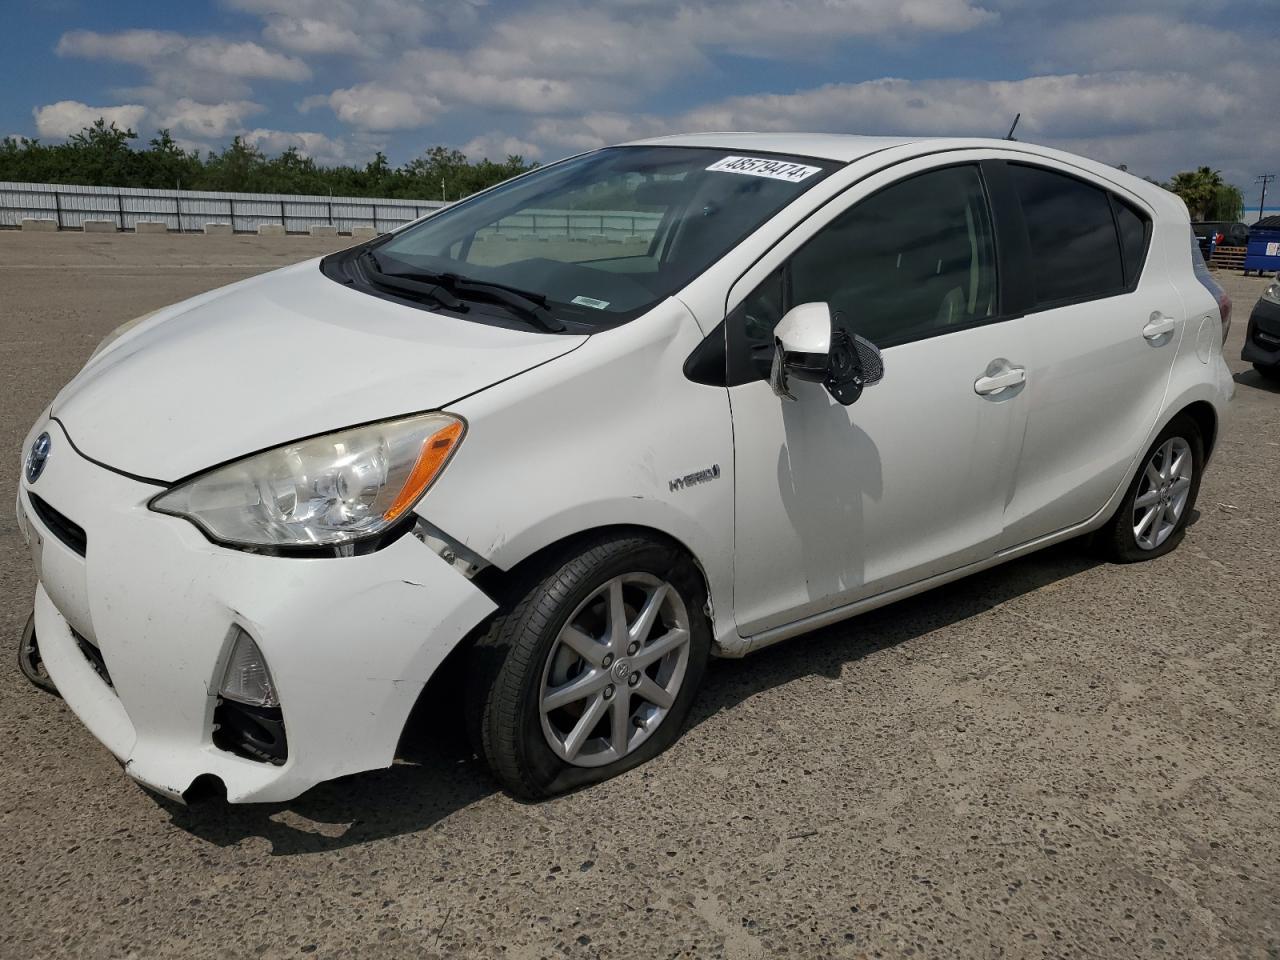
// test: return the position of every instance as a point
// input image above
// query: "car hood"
(286, 355)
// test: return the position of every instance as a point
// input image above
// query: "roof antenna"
(1009, 135)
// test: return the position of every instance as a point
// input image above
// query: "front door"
(833, 503)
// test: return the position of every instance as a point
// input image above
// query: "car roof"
(844, 148)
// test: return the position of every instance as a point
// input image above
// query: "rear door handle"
(1158, 326)
(1000, 376)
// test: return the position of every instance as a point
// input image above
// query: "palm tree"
(1198, 189)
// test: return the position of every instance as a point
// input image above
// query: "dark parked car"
(1223, 232)
(1262, 339)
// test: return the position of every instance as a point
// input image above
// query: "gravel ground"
(1054, 758)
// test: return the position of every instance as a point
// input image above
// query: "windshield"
(602, 237)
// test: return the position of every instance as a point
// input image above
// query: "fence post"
(231, 202)
(282, 220)
(120, 207)
(330, 213)
(417, 211)
(373, 208)
(177, 209)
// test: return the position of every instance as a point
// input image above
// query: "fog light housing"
(248, 720)
(247, 678)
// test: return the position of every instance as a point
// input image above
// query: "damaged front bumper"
(135, 618)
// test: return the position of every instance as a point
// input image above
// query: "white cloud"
(66, 117)
(598, 129)
(772, 28)
(360, 28)
(497, 147)
(208, 119)
(1153, 122)
(1146, 82)
(304, 35)
(187, 66)
(1061, 105)
(641, 54)
(371, 106)
(318, 146)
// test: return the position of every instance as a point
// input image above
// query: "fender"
(518, 485)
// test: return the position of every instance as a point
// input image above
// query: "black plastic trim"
(708, 362)
(256, 733)
(69, 533)
(95, 658)
(1013, 249)
(149, 481)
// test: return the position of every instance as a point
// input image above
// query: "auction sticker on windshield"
(761, 167)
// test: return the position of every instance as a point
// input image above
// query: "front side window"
(916, 259)
(607, 235)
(1075, 252)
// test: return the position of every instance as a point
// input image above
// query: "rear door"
(1101, 332)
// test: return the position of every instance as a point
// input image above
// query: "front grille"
(70, 533)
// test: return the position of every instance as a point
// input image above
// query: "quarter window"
(1075, 251)
(1133, 240)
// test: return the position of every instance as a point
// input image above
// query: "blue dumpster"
(1263, 252)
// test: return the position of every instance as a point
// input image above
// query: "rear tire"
(592, 669)
(1152, 518)
(1270, 371)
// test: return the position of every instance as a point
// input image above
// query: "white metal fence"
(190, 210)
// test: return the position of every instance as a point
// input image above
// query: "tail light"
(1224, 310)
(1206, 280)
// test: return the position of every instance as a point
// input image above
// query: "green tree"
(165, 165)
(101, 155)
(1227, 204)
(1197, 188)
(239, 167)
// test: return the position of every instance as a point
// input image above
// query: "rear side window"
(1133, 228)
(1075, 250)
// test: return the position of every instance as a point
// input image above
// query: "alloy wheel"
(1162, 495)
(614, 670)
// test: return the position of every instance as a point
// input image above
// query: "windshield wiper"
(532, 306)
(391, 281)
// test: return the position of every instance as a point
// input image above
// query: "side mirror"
(810, 344)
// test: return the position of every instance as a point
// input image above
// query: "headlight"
(1272, 293)
(328, 490)
(119, 332)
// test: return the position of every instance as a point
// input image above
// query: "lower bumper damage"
(350, 641)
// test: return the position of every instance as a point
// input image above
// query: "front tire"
(1270, 371)
(29, 660)
(592, 670)
(1153, 516)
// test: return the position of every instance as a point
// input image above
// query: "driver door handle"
(1158, 326)
(1000, 381)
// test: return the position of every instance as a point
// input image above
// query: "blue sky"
(1158, 85)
